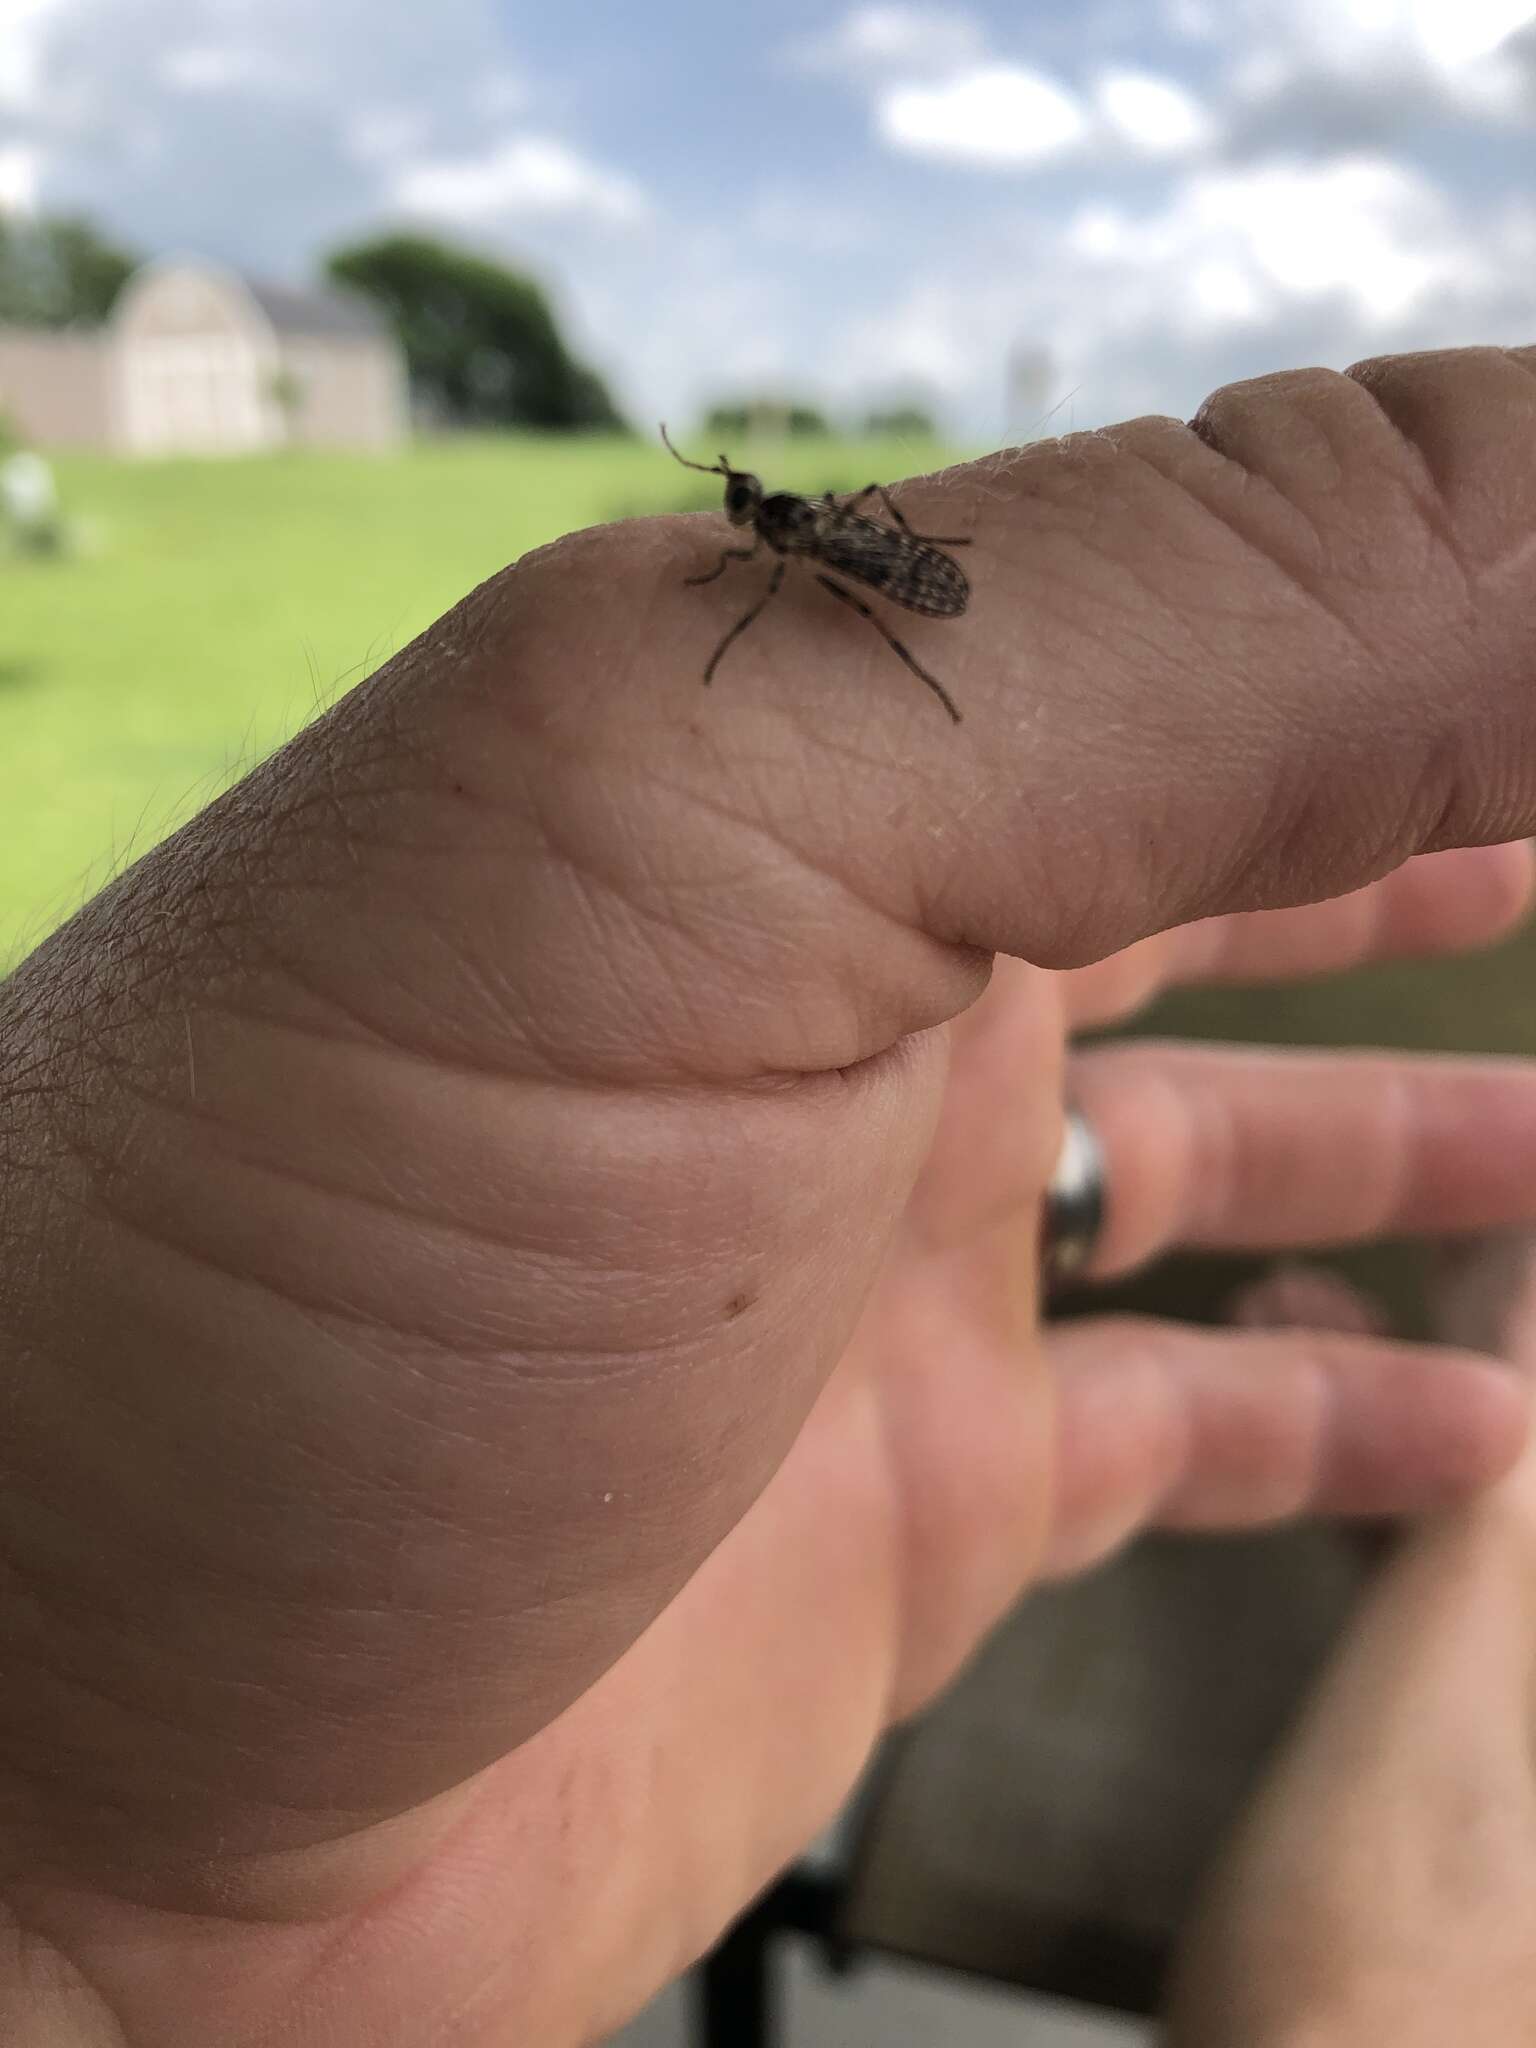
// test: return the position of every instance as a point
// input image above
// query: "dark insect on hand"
(911, 569)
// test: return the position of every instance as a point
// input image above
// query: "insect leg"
(742, 624)
(730, 555)
(942, 540)
(892, 642)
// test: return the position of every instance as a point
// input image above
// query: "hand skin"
(1381, 1887)
(517, 1234)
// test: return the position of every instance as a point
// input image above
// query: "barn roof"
(292, 311)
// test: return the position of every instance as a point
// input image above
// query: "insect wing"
(910, 572)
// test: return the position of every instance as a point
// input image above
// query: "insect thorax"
(788, 523)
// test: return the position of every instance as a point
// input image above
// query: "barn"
(197, 360)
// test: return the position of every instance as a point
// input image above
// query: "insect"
(911, 569)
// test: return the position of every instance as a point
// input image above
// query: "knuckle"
(1458, 418)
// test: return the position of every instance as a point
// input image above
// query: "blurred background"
(316, 316)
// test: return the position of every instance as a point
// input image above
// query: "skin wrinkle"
(1290, 572)
(650, 930)
(429, 1222)
(388, 1326)
(590, 879)
(638, 1364)
(858, 1035)
(760, 830)
(1157, 472)
(1301, 1471)
(1301, 814)
(1374, 377)
(1403, 1169)
(214, 1776)
(846, 888)
(226, 1576)
(332, 1310)
(1210, 1159)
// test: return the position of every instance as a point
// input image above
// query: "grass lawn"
(217, 606)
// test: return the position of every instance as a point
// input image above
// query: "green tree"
(480, 340)
(901, 423)
(58, 271)
(765, 413)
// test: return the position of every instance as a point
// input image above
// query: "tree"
(767, 414)
(480, 341)
(901, 423)
(58, 271)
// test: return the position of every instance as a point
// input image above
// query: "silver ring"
(1076, 1199)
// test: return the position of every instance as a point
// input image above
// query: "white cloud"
(202, 67)
(1000, 114)
(224, 67)
(1369, 233)
(1455, 33)
(1151, 114)
(938, 91)
(1341, 72)
(1223, 293)
(19, 168)
(530, 174)
(1449, 35)
(24, 26)
(922, 339)
(918, 41)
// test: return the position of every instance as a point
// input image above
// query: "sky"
(1028, 217)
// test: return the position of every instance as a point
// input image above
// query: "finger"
(1294, 1295)
(1222, 1148)
(1193, 1429)
(1436, 903)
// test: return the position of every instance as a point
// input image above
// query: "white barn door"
(193, 394)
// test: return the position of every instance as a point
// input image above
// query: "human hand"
(1380, 1886)
(521, 1314)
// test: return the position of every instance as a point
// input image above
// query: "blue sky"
(1126, 202)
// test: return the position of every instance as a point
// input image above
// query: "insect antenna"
(720, 468)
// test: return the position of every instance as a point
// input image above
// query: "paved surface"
(885, 2006)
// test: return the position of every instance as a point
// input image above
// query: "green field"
(211, 608)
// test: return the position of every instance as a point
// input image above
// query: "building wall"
(350, 392)
(55, 387)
